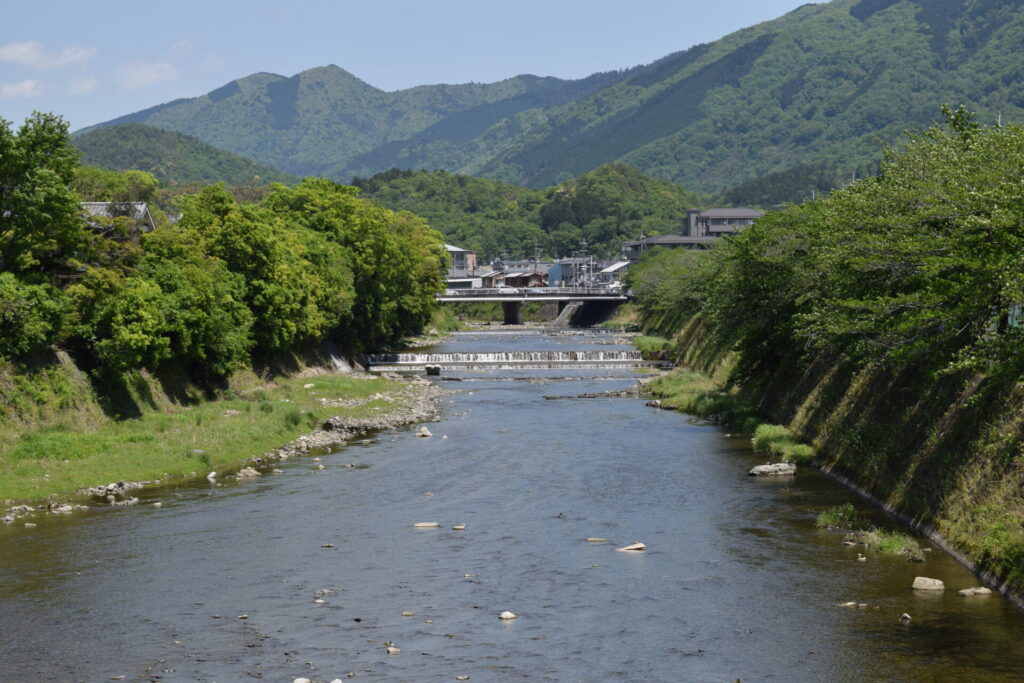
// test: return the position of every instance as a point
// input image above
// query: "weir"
(393, 362)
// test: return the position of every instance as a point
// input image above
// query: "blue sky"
(91, 61)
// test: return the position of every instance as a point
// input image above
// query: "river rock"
(432, 369)
(637, 547)
(30, 525)
(423, 432)
(905, 618)
(158, 504)
(596, 539)
(302, 680)
(923, 583)
(248, 473)
(211, 476)
(969, 592)
(427, 525)
(459, 527)
(508, 616)
(778, 469)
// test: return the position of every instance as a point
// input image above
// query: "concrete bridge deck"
(534, 294)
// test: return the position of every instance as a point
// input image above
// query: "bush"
(839, 517)
(766, 435)
(30, 316)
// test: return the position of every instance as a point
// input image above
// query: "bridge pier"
(513, 311)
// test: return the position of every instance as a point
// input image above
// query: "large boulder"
(777, 469)
(923, 583)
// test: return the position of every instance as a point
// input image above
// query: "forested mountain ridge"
(325, 121)
(173, 158)
(827, 83)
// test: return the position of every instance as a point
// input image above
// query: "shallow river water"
(737, 583)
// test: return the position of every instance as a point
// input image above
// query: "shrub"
(839, 517)
(765, 435)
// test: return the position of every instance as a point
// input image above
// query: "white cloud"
(33, 55)
(24, 89)
(139, 75)
(82, 86)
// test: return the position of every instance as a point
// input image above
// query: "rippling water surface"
(736, 581)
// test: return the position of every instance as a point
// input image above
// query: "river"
(736, 583)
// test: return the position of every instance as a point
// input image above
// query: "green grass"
(840, 517)
(172, 445)
(654, 348)
(891, 543)
(696, 394)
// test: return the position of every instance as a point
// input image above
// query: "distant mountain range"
(825, 84)
(172, 157)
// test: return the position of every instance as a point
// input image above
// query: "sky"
(93, 60)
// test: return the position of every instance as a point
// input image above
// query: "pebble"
(508, 616)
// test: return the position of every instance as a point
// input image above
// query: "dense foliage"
(611, 204)
(172, 158)
(229, 282)
(818, 86)
(922, 265)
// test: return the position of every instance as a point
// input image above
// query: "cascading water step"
(391, 362)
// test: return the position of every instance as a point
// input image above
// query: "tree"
(41, 231)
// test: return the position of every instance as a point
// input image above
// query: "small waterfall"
(507, 359)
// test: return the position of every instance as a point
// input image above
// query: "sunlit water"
(736, 581)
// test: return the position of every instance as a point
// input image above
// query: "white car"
(507, 290)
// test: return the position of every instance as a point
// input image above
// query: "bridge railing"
(528, 291)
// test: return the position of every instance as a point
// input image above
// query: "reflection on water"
(737, 582)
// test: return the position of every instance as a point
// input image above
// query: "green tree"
(41, 231)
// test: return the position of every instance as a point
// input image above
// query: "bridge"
(512, 300)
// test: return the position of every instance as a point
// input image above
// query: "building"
(463, 262)
(718, 222)
(699, 231)
(530, 278)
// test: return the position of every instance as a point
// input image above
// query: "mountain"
(826, 85)
(325, 121)
(172, 157)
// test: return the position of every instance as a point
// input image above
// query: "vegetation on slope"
(895, 305)
(821, 85)
(171, 157)
(604, 207)
(228, 284)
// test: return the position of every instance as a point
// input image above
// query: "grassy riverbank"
(179, 442)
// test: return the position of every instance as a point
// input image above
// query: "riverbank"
(930, 451)
(58, 467)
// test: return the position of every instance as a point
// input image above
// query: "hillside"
(172, 157)
(827, 84)
(325, 121)
(610, 204)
